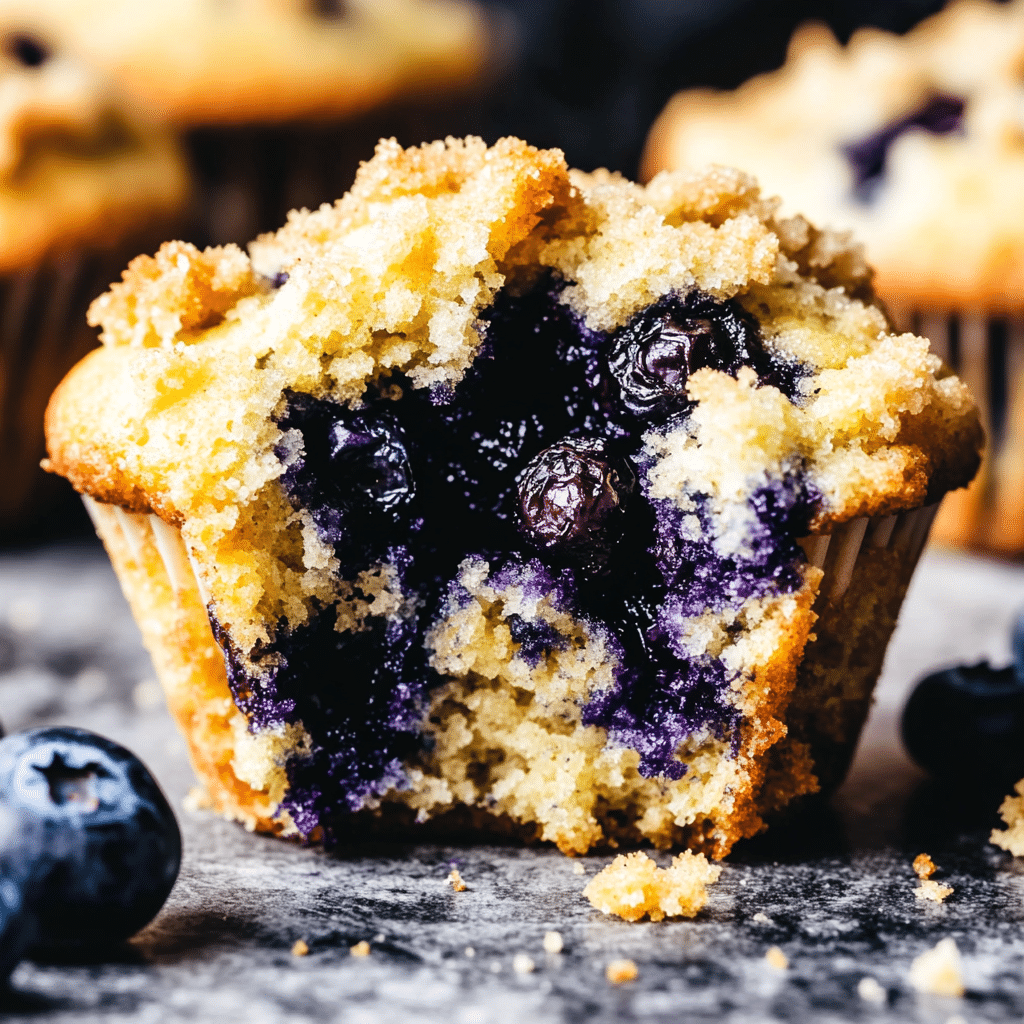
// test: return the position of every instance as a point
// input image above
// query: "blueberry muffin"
(501, 493)
(84, 181)
(277, 99)
(915, 143)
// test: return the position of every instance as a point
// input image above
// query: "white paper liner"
(138, 529)
(990, 513)
(836, 554)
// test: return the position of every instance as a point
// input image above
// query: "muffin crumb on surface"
(454, 879)
(633, 886)
(924, 868)
(937, 971)
(618, 972)
(1011, 811)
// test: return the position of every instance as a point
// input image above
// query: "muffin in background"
(83, 183)
(277, 100)
(505, 493)
(916, 143)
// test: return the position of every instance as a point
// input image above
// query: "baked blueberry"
(109, 847)
(653, 356)
(27, 50)
(352, 473)
(939, 115)
(571, 500)
(968, 719)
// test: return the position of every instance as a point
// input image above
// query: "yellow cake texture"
(505, 495)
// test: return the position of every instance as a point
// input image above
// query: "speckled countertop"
(833, 890)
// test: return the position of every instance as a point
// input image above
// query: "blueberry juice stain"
(533, 462)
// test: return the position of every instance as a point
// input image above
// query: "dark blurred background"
(592, 75)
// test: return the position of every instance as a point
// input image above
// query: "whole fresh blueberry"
(103, 850)
(967, 723)
(571, 499)
(19, 834)
(653, 357)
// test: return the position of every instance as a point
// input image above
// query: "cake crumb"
(924, 868)
(300, 948)
(937, 971)
(454, 879)
(870, 991)
(578, 868)
(360, 949)
(618, 972)
(553, 942)
(633, 886)
(762, 918)
(1011, 810)
(523, 964)
(934, 891)
(776, 958)
(197, 799)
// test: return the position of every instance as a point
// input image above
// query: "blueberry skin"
(104, 848)
(17, 924)
(966, 724)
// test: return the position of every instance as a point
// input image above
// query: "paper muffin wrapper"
(249, 176)
(987, 352)
(43, 333)
(865, 564)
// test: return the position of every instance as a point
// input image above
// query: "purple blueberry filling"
(940, 115)
(535, 463)
(536, 638)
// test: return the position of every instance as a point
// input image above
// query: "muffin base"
(865, 568)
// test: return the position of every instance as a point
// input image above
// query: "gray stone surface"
(833, 889)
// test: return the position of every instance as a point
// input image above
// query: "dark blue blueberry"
(653, 356)
(27, 50)
(20, 850)
(104, 848)
(967, 724)
(940, 115)
(571, 501)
